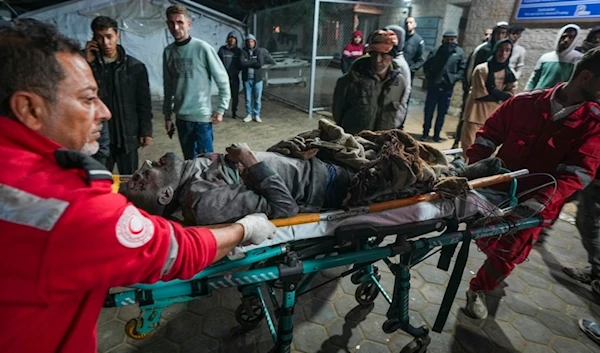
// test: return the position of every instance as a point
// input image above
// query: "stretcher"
(402, 233)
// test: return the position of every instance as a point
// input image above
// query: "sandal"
(581, 275)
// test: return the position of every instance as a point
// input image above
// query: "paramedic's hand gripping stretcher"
(308, 243)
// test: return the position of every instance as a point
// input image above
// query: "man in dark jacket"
(414, 47)
(369, 96)
(252, 60)
(591, 41)
(230, 55)
(124, 88)
(444, 67)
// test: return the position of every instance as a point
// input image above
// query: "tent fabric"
(142, 26)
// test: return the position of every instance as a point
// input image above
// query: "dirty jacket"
(213, 190)
(555, 67)
(361, 101)
(413, 50)
(130, 103)
(444, 69)
(567, 148)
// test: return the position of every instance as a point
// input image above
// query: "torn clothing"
(214, 190)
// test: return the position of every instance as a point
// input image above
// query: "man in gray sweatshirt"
(189, 64)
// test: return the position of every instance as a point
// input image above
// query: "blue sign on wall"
(537, 10)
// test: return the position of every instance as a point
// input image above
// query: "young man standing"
(253, 59)
(124, 88)
(414, 47)
(189, 64)
(517, 58)
(230, 56)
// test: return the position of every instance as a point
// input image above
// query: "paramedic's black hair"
(28, 60)
(515, 29)
(102, 22)
(590, 61)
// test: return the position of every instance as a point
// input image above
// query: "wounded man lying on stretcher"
(216, 188)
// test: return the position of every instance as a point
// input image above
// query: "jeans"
(441, 98)
(127, 163)
(195, 138)
(588, 223)
(234, 84)
(253, 95)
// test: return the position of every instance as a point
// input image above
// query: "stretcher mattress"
(459, 208)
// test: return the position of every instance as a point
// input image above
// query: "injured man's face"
(153, 186)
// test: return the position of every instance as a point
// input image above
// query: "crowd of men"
(67, 237)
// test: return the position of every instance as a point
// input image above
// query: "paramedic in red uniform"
(64, 237)
(555, 131)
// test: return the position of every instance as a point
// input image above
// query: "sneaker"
(438, 139)
(247, 119)
(583, 275)
(476, 307)
(424, 138)
(258, 119)
(591, 329)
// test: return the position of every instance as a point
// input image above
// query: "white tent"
(142, 25)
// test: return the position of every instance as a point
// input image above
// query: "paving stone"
(566, 345)
(546, 299)
(416, 281)
(200, 344)
(399, 340)
(128, 312)
(461, 293)
(531, 329)
(347, 286)
(231, 298)
(335, 272)
(107, 314)
(516, 285)
(237, 341)
(432, 260)
(219, 323)
(372, 347)
(308, 337)
(372, 330)
(574, 294)
(124, 348)
(577, 312)
(161, 346)
(557, 242)
(204, 305)
(565, 228)
(110, 335)
(537, 348)
(319, 311)
(344, 333)
(473, 340)
(329, 291)
(498, 309)
(155, 336)
(430, 312)
(534, 279)
(347, 307)
(173, 310)
(432, 274)
(504, 335)
(433, 293)
(559, 323)
(443, 343)
(184, 327)
(521, 304)
(415, 300)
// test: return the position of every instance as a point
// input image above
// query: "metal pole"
(313, 60)
(254, 19)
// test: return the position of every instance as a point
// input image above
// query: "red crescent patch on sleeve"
(133, 229)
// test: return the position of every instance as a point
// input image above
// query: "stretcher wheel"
(418, 345)
(131, 330)
(366, 293)
(249, 320)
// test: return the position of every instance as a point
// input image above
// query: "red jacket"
(65, 239)
(568, 148)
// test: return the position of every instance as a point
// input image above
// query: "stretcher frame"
(292, 267)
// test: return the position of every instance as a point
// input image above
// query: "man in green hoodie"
(189, 64)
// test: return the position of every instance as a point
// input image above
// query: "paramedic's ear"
(165, 196)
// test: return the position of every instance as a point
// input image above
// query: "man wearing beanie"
(444, 66)
(230, 55)
(369, 96)
(352, 51)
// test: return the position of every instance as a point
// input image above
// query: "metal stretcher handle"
(388, 205)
